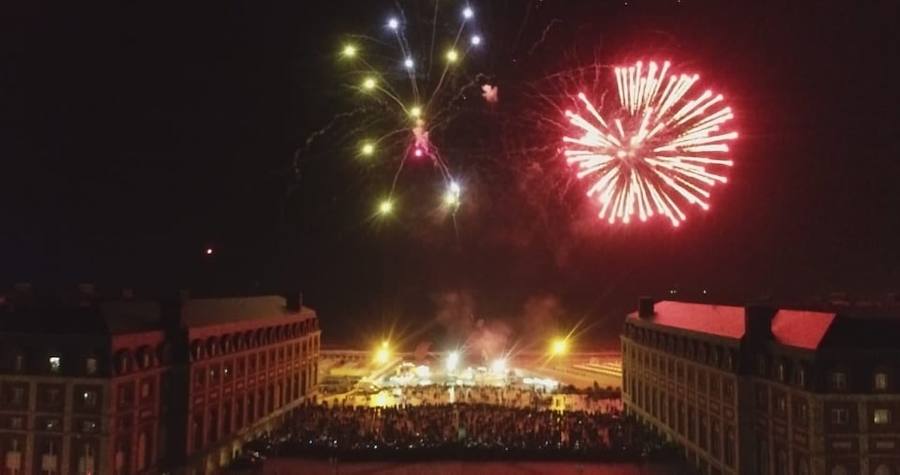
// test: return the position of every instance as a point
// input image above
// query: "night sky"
(133, 137)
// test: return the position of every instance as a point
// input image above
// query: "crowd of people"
(464, 430)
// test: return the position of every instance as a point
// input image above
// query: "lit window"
(89, 399)
(55, 362)
(782, 404)
(19, 363)
(882, 416)
(801, 376)
(145, 390)
(839, 380)
(781, 371)
(881, 381)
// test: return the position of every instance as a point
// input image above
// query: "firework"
(414, 88)
(660, 149)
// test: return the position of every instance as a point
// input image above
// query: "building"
(96, 386)
(761, 390)
(250, 362)
(80, 387)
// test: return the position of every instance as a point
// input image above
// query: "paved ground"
(322, 467)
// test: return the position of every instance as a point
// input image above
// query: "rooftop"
(796, 328)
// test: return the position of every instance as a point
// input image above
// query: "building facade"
(250, 362)
(762, 390)
(141, 387)
(79, 389)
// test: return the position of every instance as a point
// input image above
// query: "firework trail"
(662, 148)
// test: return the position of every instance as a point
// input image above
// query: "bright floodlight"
(468, 13)
(368, 149)
(368, 84)
(498, 365)
(408, 62)
(383, 353)
(349, 51)
(393, 23)
(559, 347)
(452, 360)
(476, 40)
(452, 56)
(415, 112)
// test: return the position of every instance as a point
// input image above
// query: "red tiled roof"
(798, 328)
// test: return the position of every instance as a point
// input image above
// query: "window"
(782, 404)
(840, 416)
(838, 380)
(716, 445)
(729, 447)
(883, 470)
(126, 394)
(89, 399)
(88, 426)
(728, 390)
(146, 389)
(18, 396)
(146, 358)
(782, 371)
(19, 363)
(52, 424)
(762, 398)
(882, 416)
(17, 422)
(802, 411)
(199, 378)
(55, 363)
(801, 376)
(53, 396)
(90, 366)
(881, 381)
(761, 365)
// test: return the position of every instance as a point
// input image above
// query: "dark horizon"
(135, 137)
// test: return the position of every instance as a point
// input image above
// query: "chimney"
(645, 307)
(293, 301)
(758, 322)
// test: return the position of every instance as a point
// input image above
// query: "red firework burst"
(656, 151)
